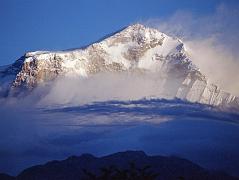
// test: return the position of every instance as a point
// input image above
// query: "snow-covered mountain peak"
(136, 48)
(140, 34)
(137, 26)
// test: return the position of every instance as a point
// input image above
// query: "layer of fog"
(211, 40)
(75, 90)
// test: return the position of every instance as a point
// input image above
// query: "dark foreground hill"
(121, 166)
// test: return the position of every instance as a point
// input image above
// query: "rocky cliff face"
(136, 48)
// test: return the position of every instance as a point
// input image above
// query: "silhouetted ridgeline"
(120, 166)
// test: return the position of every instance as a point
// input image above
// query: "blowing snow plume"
(212, 42)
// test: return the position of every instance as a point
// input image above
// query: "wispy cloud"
(102, 87)
(212, 41)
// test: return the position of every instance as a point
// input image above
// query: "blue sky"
(28, 25)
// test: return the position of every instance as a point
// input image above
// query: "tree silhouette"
(114, 173)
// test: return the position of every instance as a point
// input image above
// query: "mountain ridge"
(86, 166)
